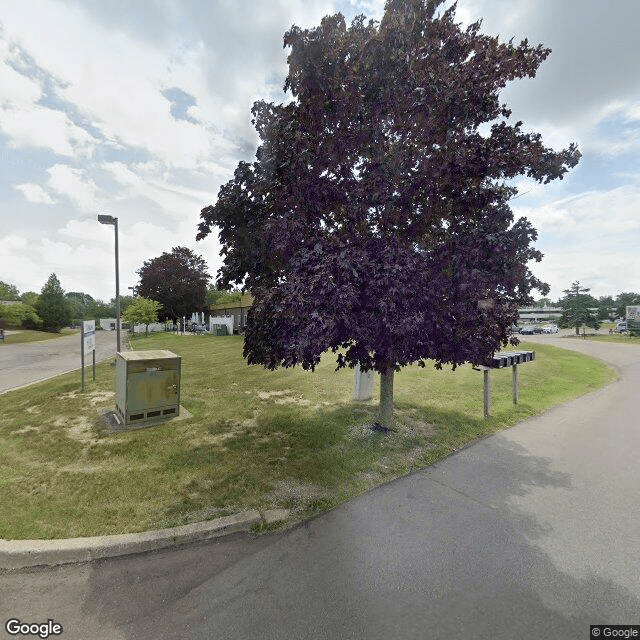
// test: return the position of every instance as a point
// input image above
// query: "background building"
(235, 308)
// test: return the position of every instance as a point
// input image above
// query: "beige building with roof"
(237, 309)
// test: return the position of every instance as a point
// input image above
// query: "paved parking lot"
(29, 362)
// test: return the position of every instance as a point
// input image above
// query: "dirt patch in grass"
(408, 424)
(302, 402)
(284, 396)
(82, 430)
(93, 397)
(27, 429)
(265, 395)
(100, 396)
(297, 496)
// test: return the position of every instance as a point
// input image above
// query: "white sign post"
(88, 345)
(633, 318)
(363, 384)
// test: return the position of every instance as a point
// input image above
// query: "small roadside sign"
(88, 345)
(89, 336)
(633, 318)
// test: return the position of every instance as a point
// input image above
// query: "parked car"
(550, 328)
(529, 330)
(621, 327)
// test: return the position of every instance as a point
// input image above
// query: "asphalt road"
(532, 533)
(25, 363)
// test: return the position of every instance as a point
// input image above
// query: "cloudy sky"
(141, 109)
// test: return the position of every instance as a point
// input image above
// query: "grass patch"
(27, 335)
(257, 439)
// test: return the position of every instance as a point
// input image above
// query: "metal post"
(117, 290)
(514, 380)
(82, 353)
(487, 391)
(105, 219)
(94, 364)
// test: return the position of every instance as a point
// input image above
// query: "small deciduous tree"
(624, 300)
(177, 280)
(19, 315)
(217, 296)
(606, 308)
(576, 308)
(80, 304)
(100, 309)
(375, 219)
(52, 306)
(125, 301)
(8, 291)
(30, 298)
(142, 311)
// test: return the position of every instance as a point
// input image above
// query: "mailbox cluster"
(509, 358)
(500, 361)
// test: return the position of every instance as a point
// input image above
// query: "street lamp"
(114, 221)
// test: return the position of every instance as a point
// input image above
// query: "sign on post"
(88, 345)
(89, 336)
(633, 318)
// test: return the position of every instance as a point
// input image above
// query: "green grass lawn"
(26, 335)
(256, 439)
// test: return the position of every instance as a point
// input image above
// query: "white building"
(109, 324)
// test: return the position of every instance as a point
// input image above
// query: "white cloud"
(122, 174)
(597, 213)
(371, 8)
(150, 181)
(44, 128)
(223, 55)
(20, 263)
(16, 91)
(34, 193)
(75, 185)
(84, 260)
(591, 237)
(26, 122)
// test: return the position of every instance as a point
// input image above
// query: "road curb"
(20, 554)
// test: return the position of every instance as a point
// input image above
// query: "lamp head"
(107, 219)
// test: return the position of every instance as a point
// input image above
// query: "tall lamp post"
(102, 219)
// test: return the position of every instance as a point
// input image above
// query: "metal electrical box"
(147, 386)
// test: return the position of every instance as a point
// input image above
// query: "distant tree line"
(173, 285)
(57, 308)
(577, 301)
(52, 308)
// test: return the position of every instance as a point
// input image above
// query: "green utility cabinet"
(220, 329)
(147, 386)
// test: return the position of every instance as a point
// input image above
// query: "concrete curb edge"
(20, 554)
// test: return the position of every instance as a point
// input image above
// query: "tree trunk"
(577, 330)
(386, 398)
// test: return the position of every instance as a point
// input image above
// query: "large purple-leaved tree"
(375, 220)
(177, 280)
